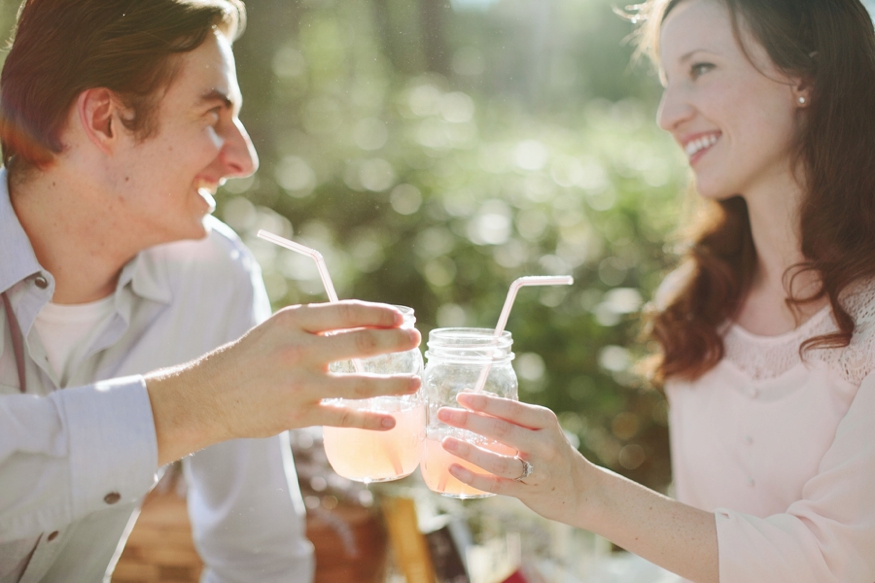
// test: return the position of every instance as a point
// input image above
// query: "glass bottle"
(380, 456)
(457, 357)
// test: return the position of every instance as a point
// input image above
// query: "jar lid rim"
(469, 332)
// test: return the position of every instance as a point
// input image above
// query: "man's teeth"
(700, 144)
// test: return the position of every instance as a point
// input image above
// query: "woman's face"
(736, 120)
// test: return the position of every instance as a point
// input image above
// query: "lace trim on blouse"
(767, 357)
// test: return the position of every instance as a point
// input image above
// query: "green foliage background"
(435, 151)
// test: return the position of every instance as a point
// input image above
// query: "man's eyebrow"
(217, 95)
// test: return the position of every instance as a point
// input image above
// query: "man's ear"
(98, 110)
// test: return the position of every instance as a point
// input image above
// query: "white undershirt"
(67, 331)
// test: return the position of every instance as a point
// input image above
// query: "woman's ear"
(802, 92)
(98, 111)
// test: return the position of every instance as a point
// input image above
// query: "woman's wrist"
(593, 499)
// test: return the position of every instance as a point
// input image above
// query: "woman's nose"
(674, 109)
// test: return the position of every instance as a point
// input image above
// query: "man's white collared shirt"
(76, 460)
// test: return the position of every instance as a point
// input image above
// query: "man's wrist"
(179, 415)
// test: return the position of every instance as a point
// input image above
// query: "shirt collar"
(148, 277)
(17, 258)
(145, 272)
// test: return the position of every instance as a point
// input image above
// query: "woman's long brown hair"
(831, 44)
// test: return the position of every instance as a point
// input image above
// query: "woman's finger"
(500, 465)
(484, 482)
(488, 426)
(524, 414)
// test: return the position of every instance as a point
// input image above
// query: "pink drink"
(378, 456)
(436, 462)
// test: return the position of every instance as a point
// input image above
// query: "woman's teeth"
(700, 144)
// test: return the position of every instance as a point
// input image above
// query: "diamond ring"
(527, 470)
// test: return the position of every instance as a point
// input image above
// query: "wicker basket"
(350, 544)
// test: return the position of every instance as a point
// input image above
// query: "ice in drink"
(378, 456)
(436, 462)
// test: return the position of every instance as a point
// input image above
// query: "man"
(118, 121)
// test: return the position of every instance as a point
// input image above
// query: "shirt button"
(112, 497)
(754, 392)
(41, 282)
(751, 482)
(748, 439)
(52, 536)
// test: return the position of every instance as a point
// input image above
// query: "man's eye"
(698, 69)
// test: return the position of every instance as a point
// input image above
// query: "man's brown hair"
(62, 47)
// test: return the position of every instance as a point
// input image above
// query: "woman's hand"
(561, 479)
(564, 486)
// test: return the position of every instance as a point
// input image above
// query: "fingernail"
(414, 384)
(414, 335)
(458, 471)
(470, 400)
(450, 445)
(448, 415)
(388, 422)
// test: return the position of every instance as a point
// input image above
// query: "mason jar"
(379, 456)
(457, 359)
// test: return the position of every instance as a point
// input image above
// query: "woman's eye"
(698, 69)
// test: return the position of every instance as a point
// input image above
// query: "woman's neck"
(774, 220)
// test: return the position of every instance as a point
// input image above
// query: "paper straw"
(320, 265)
(508, 304)
(312, 253)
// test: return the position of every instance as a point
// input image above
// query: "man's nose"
(238, 154)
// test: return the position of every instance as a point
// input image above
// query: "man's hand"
(274, 377)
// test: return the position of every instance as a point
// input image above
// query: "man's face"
(165, 183)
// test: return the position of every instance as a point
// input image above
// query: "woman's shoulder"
(857, 359)
(858, 299)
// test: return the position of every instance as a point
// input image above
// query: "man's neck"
(73, 234)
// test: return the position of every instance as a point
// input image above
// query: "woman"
(766, 331)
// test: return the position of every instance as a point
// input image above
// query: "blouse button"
(112, 497)
(748, 439)
(52, 536)
(751, 482)
(41, 282)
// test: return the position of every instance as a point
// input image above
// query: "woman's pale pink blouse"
(783, 452)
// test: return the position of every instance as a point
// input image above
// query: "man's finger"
(320, 318)
(337, 416)
(364, 343)
(355, 386)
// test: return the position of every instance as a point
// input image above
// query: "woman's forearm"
(565, 486)
(670, 534)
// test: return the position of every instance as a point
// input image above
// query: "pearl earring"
(802, 100)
